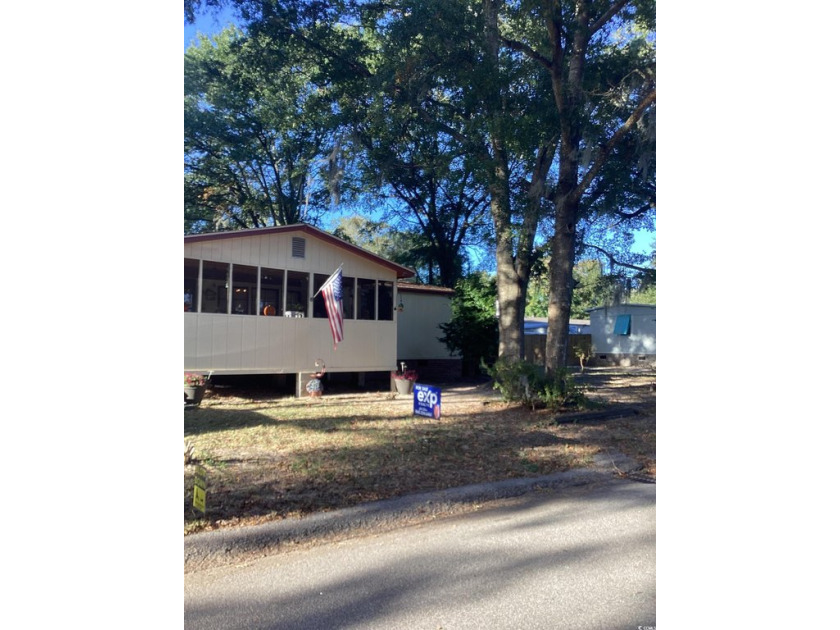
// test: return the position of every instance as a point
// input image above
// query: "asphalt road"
(578, 558)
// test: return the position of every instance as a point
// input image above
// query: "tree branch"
(527, 50)
(626, 216)
(622, 131)
(607, 15)
(614, 261)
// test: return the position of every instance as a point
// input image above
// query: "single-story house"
(623, 334)
(248, 306)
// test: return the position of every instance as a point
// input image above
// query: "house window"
(244, 298)
(319, 307)
(386, 300)
(191, 266)
(348, 290)
(366, 297)
(622, 325)
(271, 292)
(297, 293)
(298, 247)
(214, 281)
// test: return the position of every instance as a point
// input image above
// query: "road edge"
(205, 550)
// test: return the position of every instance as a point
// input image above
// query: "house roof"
(402, 272)
(595, 308)
(544, 320)
(410, 287)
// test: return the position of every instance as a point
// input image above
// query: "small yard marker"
(200, 489)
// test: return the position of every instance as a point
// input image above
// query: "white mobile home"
(247, 306)
(623, 334)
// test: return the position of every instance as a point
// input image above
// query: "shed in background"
(623, 334)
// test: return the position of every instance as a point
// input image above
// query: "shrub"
(518, 381)
(560, 390)
(526, 383)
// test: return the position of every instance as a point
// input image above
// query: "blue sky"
(210, 24)
(206, 24)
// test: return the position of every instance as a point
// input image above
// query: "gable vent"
(298, 247)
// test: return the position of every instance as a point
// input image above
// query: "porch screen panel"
(386, 301)
(319, 307)
(190, 285)
(348, 288)
(297, 293)
(366, 299)
(214, 294)
(271, 292)
(244, 290)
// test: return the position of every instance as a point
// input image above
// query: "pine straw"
(270, 458)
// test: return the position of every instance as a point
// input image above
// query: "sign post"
(427, 401)
(200, 489)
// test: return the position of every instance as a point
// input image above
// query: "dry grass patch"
(271, 458)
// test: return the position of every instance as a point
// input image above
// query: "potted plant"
(194, 386)
(404, 380)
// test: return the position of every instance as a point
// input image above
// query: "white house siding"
(242, 344)
(217, 343)
(639, 347)
(418, 331)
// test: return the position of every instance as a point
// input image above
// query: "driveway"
(575, 557)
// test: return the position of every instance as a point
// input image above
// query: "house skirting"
(623, 360)
(435, 370)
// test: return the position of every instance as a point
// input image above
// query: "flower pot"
(404, 386)
(193, 394)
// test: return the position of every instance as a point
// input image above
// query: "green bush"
(518, 381)
(560, 390)
(526, 383)
(473, 331)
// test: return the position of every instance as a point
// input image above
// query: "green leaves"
(256, 135)
(473, 330)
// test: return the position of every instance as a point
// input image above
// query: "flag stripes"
(333, 300)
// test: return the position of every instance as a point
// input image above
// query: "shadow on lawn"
(354, 452)
(364, 458)
(202, 421)
(198, 421)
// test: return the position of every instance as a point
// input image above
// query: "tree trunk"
(566, 80)
(561, 284)
(508, 290)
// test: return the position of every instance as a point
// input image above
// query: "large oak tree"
(258, 135)
(552, 101)
(600, 57)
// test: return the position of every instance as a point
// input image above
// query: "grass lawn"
(271, 457)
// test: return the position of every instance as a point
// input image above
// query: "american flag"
(331, 290)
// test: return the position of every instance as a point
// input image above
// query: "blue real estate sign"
(426, 401)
